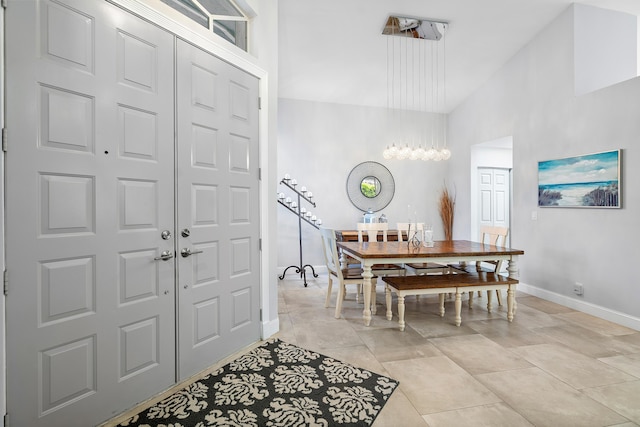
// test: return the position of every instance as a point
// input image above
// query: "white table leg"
(513, 273)
(489, 301)
(374, 306)
(367, 275)
(401, 311)
(511, 299)
(343, 260)
(387, 294)
(458, 307)
(441, 300)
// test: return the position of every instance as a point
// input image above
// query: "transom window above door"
(223, 17)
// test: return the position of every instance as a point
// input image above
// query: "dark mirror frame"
(370, 186)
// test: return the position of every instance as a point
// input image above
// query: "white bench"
(469, 280)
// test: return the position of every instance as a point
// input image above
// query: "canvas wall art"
(592, 180)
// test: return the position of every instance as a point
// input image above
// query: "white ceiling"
(333, 50)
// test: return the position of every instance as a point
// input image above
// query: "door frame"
(478, 223)
(495, 154)
(3, 350)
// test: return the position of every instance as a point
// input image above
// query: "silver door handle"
(185, 252)
(164, 256)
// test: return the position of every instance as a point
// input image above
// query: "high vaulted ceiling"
(333, 50)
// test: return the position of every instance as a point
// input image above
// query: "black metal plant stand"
(303, 215)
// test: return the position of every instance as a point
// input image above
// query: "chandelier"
(414, 86)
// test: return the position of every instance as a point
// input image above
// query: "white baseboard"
(586, 307)
(270, 328)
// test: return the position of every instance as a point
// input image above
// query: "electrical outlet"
(578, 289)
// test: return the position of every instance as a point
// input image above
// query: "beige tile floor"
(553, 366)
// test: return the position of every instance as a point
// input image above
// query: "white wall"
(605, 49)
(532, 99)
(263, 45)
(319, 144)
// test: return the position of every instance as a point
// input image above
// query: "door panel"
(501, 191)
(218, 305)
(90, 187)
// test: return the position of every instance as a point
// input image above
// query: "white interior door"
(89, 189)
(218, 209)
(494, 198)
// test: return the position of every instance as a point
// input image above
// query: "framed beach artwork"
(589, 181)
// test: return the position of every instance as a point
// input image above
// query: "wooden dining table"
(443, 252)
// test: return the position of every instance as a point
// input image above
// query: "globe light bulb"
(430, 154)
(394, 151)
(404, 153)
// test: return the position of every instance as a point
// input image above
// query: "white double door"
(131, 211)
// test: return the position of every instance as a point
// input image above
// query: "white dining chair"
(379, 232)
(496, 236)
(491, 235)
(344, 276)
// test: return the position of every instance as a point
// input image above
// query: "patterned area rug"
(276, 384)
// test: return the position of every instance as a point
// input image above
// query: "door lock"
(185, 252)
(166, 235)
(185, 232)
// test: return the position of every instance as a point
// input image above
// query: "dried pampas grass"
(447, 205)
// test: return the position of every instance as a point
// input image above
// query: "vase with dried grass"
(447, 206)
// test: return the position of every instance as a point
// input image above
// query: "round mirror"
(370, 187)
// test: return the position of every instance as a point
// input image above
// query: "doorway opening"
(491, 178)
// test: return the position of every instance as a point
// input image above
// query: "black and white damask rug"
(275, 384)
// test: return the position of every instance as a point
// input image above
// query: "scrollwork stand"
(297, 210)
